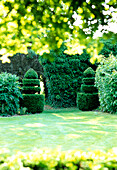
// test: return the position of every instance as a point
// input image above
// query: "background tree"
(44, 25)
(20, 64)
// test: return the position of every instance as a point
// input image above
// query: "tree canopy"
(43, 25)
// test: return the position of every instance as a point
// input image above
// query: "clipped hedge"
(46, 159)
(31, 82)
(106, 82)
(30, 89)
(88, 88)
(87, 98)
(33, 102)
(87, 101)
(63, 77)
(88, 81)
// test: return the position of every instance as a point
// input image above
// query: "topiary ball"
(89, 72)
(31, 74)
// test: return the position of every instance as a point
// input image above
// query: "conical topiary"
(87, 99)
(31, 74)
(32, 100)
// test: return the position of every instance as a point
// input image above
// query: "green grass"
(65, 128)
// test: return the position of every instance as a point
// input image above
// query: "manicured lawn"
(65, 128)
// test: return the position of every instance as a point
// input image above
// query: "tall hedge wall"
(63, 77)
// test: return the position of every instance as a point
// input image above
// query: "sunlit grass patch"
(66, 128)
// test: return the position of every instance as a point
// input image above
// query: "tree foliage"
(45, 24)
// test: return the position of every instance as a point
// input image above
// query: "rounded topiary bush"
(32, 99)
(87, 99)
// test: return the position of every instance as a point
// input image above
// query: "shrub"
(9, 94)
(87, 99)
(110, 47)
(33, 102)
(63, 77)
(46, 159)
(106, 82)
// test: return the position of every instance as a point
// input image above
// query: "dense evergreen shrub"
(9, 94)
(31, 85)
(108, 48)
(64, 76)
(106, 82)
(87, 99)
(46, 159)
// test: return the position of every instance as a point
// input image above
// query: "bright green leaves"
(106, 82)
(44, 24)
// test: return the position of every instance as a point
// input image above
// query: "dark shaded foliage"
(64, 77)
